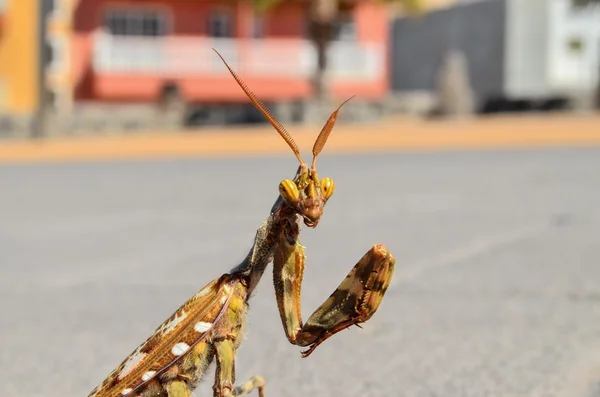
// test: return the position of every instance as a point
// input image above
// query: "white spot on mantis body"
(132, 362)
(148, 375)
(202, 326)
(126, 392)
(170, 326)
(180, 348)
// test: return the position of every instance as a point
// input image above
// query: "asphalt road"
(496, 291)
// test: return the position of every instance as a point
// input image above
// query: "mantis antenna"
(319, 142)
(263, 109)
(324, 134)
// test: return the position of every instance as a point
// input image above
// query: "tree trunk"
(322, 14)
(321, 43)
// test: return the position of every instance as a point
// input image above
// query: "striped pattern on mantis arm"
(210, 325)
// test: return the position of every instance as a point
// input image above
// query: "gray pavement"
(496, 292)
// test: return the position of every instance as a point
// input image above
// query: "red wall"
(189, 18)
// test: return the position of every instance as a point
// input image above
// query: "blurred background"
(67, 64)
(133, 170)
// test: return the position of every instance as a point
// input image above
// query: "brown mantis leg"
(355, 300)
(225, 374)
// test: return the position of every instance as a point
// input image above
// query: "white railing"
(177, 56)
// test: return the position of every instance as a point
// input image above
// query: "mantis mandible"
(210, 325)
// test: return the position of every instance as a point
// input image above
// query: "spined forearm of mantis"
(210, 325)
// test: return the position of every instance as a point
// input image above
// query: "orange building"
(19, 57)
(133, 50)
(136, 50)
(22, 55)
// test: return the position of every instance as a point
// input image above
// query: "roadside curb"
(389, 136)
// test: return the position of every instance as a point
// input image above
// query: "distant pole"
(39, 128)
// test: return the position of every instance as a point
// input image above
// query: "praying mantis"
(210, 325)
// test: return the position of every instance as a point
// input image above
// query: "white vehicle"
(522, 54)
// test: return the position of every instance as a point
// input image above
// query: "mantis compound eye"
(327, 187)
(289, 191)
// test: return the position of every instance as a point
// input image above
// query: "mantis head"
(306, 194)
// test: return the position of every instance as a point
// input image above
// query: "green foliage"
(322, 16)
(414, 7)
(411, 6)
(261, 6)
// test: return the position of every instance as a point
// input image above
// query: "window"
(219, 24)
(56, 53)
(582, 7)
(584, 3)
(51, 99)
(135, 23)
(54, 10)
(344, 28)
(576, 45)
(49, 6)
(258, 26)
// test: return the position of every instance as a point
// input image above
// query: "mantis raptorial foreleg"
(210, 325)
(355, 300)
